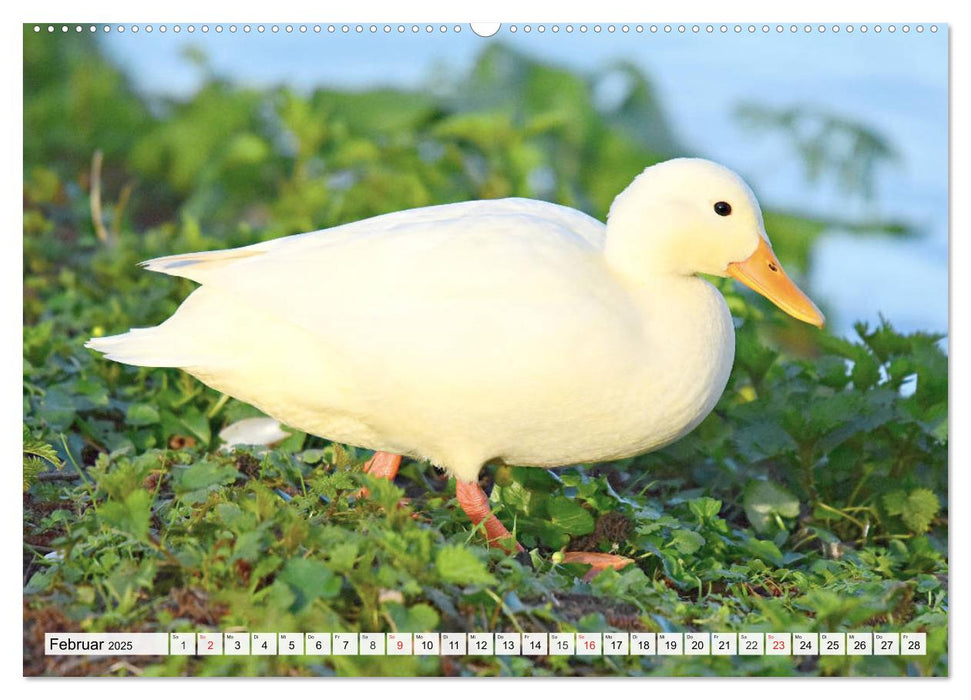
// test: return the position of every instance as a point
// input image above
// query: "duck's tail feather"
(195, 266)
(144, 347)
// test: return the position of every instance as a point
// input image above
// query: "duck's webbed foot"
(598, 561)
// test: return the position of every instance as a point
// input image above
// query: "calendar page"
(517, 349)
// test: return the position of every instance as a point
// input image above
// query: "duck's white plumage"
(511, 329)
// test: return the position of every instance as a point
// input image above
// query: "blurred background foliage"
(814, 497)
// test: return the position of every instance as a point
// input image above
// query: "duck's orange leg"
(475, 503)
(383, 465)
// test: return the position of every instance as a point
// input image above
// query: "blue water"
(896, 84)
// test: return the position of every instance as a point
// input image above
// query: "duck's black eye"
(723, 208)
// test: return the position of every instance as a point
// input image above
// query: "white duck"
(512, 329)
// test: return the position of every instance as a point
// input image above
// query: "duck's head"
(687, 216)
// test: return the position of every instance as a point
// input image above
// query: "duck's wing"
(485, 291)
(210, 266)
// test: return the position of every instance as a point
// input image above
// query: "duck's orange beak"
(763, 273)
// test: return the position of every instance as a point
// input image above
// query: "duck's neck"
(645, 235)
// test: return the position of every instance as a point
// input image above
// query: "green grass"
(813, 498)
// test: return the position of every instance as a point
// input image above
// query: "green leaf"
(705, 508)
(687, 541)
(919, 510)
(131, 516)
(343, 556)
(196, 423)
(764, 501)
(421, 618)
(33, 467)
(758, 441)
(895, 502)
(39, 448)
(458, 564)
(140, 414)
(569, 516)
(192, 483)
(765, 549)
(309, 580)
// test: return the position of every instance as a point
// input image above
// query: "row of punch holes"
(513, 28)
